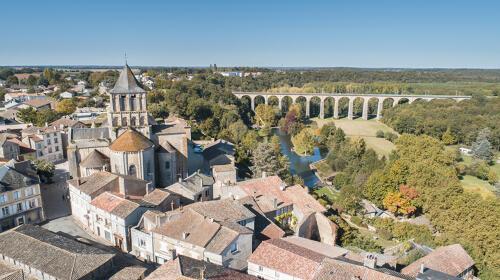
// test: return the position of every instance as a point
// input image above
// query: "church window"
(122, 102)
(133, 103)
(132, 170)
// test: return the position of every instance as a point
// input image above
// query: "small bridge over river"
(335, 98)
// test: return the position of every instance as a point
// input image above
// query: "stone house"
(20, 199)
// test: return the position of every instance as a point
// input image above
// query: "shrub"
(390, 136)
(357, 220)
(492, 177)
(379, 134)
(385, 234)
(323, 202)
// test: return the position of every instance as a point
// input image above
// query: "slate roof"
(12, 179)
(51, 253)
(217, 148)
(127, 83)
(95, 159)
(131, 141)
(451, 259)
(90, 133)
(192, 185)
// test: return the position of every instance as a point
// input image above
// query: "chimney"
(370, 261)
(264, 175)
(180, 179)
(275, 203)
(283, 186)
(185, 235)
(422, 268)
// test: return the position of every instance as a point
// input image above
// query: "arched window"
(132, 170)
(122, 102)
(133, 105)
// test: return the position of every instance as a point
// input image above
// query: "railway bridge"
(336, 97)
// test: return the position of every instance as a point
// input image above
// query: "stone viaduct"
(396, 98)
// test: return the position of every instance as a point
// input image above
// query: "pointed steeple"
(127, 83)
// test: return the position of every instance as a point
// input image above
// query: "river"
(299, 165)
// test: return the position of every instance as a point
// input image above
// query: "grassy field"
(473, 184)
(326, 191)
(365, 129)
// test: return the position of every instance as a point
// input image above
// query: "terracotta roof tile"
(452, 260)
(131, 141)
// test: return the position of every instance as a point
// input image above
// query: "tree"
(45, 169)
(265, 115)
(397, 203)
(237, 131)
(448, 138)
(303, 142)
(481, 148)
(31, 81)
(65, 107)
(265, 160)
(12, 80)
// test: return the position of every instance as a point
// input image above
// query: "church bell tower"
(128, 106)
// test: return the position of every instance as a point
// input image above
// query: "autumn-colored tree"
(397, 203)
(65, 107)
(265, 115)
(303, 142)
(448, 138)
(408, 192)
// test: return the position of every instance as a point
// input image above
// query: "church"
(130, 142)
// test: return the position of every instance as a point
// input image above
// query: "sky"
(279, 33)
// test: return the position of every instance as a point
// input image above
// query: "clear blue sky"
(370, 33)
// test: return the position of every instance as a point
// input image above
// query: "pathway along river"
(299, 165)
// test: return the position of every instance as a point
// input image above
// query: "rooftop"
(127, 83)
(95, 159)
(131, 141)
(114, 204)
(51, 253)
(451, 259)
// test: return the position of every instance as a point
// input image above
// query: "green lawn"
(473, 184)
(328, 192)
(365, 129)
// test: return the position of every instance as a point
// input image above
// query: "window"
(48, 141)
(3, 198)
(234, 248)
(107, 235)
(16, 195)
(29, 191)
(5, 211)
(163, 246)
(32, 203)
(19, 207)
(132, 170)
(261, 268)
(56, 140)
(142, 243)
(122, 103)
(243, 223)
(167, 165)
(50, 150)
(20, 221)
(57, 148)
